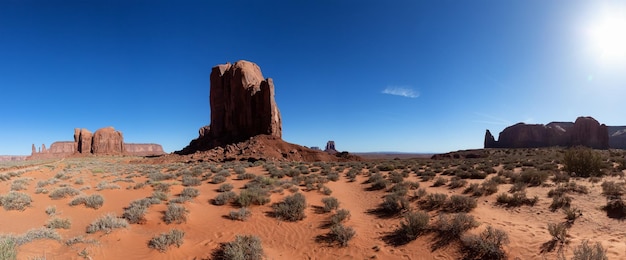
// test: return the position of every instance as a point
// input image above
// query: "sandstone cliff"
(584, 131)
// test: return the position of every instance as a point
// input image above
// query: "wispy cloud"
(401, 91)
(492, 120)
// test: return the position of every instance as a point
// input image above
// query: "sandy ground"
(207, 225)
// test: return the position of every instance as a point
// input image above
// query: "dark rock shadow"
(318, 209)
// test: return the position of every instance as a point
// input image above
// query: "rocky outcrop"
(10, 158)
(105, 141)
(82, 139)
(143, 149)
(330, 147)
(242, 106)
(245, 122)
(585, 131)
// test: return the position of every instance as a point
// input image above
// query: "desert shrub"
(175, 213)
(572, 213)
(333, 176)
(459, 203)
(612, 190)
(189, 192)
(291, 208)
(225, 187)
(414, 224)
(582, 161)
(253, 195)
(473, 189)
(223, 173)
(135, 213)
(386, 167)
(162, 196)
(161, 187)
(471, 174)
(8, 248)
(615, 208)
(250, 176)
(490, 187)
(533, 177)
(341, 234)
(434, 201)
(516, 199)
(57, 223)
(224, 198)
(19, 184)
(379, 184)
(559, 202)
(560, 177)
(339, 216)
(247, 247)
(517, 187)
(440, 181)
(15, 201)
(107, 223)
(453, 225)
(165, 240)
(242, 214)
(94, 201)
(567, 188)
(487, 245)
(51, 210)
(558, 232)
(400, 188)
(394, 203)
(104, 185)
(63, 192)
(217, 179)
(457, 183)
(239, 170)
(191, 181)
(36, 234)
(330, 203)
(587, 252)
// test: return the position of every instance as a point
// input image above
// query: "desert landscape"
(473, 130)
(239, 191)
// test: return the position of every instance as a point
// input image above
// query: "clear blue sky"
(411, 76)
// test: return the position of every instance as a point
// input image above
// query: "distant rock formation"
(584, 131)
(105, 141)
(245, 121)
(316, 148)
(9, 158)
(242, 106)
(330, 147)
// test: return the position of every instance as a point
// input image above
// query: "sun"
(607, 36)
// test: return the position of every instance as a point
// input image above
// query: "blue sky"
(410, 76)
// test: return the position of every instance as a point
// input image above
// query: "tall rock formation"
(617, 137)
(242, 106)
(585, 131)
(330, 147)
(82, 140)
(107, 141)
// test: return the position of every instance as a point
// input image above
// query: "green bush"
(487, 245)
(434, 201)
(253, 195)
(612, 190)
(165, 240)
(291, 208)
(517, 199)
(558, 232)
(189, 192)
(191, 181)
(225, 187)
(454, 225)
(582, 161)
(107, 223)
(175, 213)
(217, 179)
(8, 248)
(15, 201)
(560, 202)
(587, 252)
(533, 177)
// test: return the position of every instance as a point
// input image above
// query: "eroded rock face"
(330, 147)
(107, 141)
(242, 106)
(83, 139)
(143, 149)
(617, 137)
(585, 131)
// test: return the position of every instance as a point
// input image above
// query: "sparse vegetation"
(59, 223)
(517, 199)
(291, 208)
(583, 162)
(330, 203)
(94, 201)
(63, 192)
(175, 213)
(246, 247)
(487, 245)
(107, 223)
(588, 252)
(163, 241)
(413, 225)
(460, 203)
(15, 201)
(242, 214)
(341, 234)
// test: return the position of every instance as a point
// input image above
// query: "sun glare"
(607, 35)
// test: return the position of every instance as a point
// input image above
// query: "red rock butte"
(105, 141)
(586, 131)
(245, 120)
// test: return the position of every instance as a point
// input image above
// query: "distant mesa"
(585, 131)
(245, 120)
(105, 141)
(316, 148)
